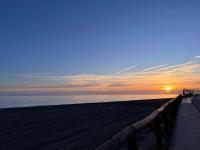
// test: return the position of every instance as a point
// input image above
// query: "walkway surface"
(187, 131)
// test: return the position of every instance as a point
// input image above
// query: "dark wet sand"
(73, 127)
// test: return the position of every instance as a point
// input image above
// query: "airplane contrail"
(154, 67)
(126, 69)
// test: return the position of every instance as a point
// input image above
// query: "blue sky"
(95, 37)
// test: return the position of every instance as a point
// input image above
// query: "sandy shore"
(73, 127)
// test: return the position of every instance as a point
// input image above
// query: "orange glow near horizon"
(162, 79)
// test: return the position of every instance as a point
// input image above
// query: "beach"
(72, 126)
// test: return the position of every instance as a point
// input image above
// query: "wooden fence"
(160, 124)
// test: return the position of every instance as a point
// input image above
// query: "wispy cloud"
(154, 68)
(127, 69)
(127, 81)
(197, 57)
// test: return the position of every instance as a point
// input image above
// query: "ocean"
(26, 101)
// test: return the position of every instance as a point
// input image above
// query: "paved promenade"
(187, 131)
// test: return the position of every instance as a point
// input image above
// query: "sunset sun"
(168, 88)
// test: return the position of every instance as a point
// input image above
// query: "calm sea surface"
(25, 101)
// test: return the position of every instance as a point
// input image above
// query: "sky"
(99, 47)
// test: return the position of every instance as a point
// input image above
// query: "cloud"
(126, 69)
(197, 57)
(154, 68)
(149, 80)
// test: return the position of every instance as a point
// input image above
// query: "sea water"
(26, 101)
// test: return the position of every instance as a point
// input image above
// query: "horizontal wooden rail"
(160, 122)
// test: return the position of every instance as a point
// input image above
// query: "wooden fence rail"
(160, 122)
